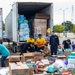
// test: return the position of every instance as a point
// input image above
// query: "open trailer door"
(14, 22)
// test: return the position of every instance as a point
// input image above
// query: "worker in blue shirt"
(4, 52)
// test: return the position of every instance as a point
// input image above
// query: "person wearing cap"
(31, 39)
(4, 52)
(54, 42)
(40, 42)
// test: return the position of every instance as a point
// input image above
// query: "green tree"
(68, 25)
(73, 30)
(3, 26)
(58, 28)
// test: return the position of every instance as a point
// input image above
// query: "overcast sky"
(58, 4)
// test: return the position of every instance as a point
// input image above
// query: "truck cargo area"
(30, 9)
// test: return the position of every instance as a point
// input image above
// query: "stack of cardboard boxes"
(40, 23)
(40, 26)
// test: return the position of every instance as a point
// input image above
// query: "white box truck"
(29, 9)
(1, 23)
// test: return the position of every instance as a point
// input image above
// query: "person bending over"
(4, 52)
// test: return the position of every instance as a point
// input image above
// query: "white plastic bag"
(4, 71)
(59, 64)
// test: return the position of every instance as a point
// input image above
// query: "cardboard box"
(16, 58)
(40, 26)
(40, 30)
(40, 22)
(38, 56)
(28, 56)
(18, 69)
(31, 71)
(18, 53)
(42, 16)
(62, 57)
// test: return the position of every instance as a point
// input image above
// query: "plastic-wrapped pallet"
(22, 17)
(20, 36)
(23, 25)
(26, 36)
(23, 28)
(25, 21)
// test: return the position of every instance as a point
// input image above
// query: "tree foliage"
(68, 25)
(73, 30)
(58, 28)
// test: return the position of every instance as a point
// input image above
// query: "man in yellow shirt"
(40, 42)
(31, 39)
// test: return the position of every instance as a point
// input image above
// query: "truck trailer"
(29, 10)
